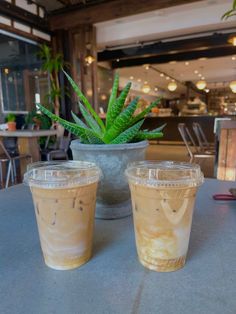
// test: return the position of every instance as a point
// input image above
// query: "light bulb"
(201, 84)
(172, 86)
(232, 85)
(146, 88)
(89, 59)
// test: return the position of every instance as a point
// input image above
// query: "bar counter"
(171, 132)
(113, 281)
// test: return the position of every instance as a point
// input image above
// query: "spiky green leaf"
(78, 121)
(113, 93)
(116, 108)
(122, 122)
(89, 119)
(93, 139)
(85, 101)
(146, 111)
(160, 128)
(128, 134)
(71, 127)
(147, 135)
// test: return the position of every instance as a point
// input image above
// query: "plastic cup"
(64, 196)
(163, 196)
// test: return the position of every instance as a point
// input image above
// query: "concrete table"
(28, 142)
(113, 281)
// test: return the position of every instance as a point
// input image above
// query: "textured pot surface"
(11, 126)
(113, 197)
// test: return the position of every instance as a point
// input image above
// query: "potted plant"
(11, 121)
(52, 64)
(111, 145)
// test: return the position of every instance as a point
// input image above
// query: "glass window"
(21, 80)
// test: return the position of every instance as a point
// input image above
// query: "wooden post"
(226, 169)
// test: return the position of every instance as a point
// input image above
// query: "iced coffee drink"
(64, 196)
(163, 196)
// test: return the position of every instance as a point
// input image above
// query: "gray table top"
(28, 133)
(113, 281)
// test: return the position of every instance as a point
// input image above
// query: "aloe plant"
(121, 126)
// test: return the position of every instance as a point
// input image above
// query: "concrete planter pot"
(113, 197)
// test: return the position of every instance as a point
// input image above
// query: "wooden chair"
(57, 151)
(11, 159)
(5, 162)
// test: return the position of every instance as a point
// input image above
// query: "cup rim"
(195, 178)
(51, 174)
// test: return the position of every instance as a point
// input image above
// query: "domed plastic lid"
(164, 174)
(61, 174)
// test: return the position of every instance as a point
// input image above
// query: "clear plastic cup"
(64, 196)
(163, 196)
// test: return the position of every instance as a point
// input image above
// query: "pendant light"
(232, 40)
(146, 88)
(201, 84)
(172, 86)
(232, 85)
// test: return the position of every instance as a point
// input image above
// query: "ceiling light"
(203, 58)
(146, 88)
(117, 60)
(146, 66)
(139, 80)
(167, 78)
(89, 92)
(172, 62)
(207, 90)
(186, 63)
(201, 84)
(203, 78)
(156, 89)
(233, 58)
(232, 40)
(232, 85)
(196, 71)
(172, 86)
(103, 97)
(199, 74)
(145, 82)
(131, 77)
(161, 75)
(89, 59)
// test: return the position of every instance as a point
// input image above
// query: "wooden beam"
(13, 30)
(71, 18)
(16, 13)
(160, 48)
(65, 2)
(183, 56)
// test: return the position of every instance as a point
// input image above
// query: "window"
(20, 77)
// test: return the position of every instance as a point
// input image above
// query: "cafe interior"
(65, 70)
(165, 51)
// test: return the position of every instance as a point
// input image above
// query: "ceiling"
(217, 72)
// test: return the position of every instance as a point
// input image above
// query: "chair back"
(201, 137)
(187, 139)
(64, 142)
(3, 150)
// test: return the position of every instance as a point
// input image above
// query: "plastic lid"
(60, 174)
(164, 174)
